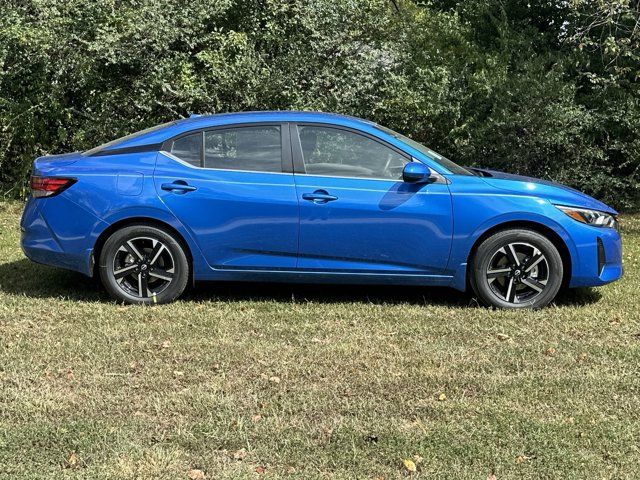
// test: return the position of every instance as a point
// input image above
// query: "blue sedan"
(314, 198)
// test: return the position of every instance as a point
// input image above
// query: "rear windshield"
(131, 136)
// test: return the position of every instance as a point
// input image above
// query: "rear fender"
(142, 213)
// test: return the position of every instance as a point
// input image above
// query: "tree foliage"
(545, 88)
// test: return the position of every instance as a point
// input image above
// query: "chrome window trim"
(187, 164)
(350, 178)
(440, 179)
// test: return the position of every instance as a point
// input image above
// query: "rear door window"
(254, 149)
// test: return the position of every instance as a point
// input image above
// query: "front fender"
(523, 217)
(473, 225)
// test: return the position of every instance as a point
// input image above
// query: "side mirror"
(416, 172)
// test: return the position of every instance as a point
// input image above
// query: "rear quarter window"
(188, 149)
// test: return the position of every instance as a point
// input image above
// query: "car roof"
(268, 115)
(165, 132)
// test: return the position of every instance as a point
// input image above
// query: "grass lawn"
(270, 381)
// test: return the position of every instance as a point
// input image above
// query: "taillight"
(49, 186)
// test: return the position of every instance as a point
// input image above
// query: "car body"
(291, 197)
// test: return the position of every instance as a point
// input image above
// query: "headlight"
(591, 217)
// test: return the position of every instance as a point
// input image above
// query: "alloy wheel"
(143, 267)
(518, 272)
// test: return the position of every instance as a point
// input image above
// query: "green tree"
(543, 88)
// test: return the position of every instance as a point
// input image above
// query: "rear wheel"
(143, 264)
(517, 269)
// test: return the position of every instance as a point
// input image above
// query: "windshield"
(125, 138)
(435, 156)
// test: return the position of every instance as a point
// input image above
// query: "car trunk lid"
(48, 164)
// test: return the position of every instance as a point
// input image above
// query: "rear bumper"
(597, 265)
(56, 232)
(46, 256)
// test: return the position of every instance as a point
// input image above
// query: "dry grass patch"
(245, 381)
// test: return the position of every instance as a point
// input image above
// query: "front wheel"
(517, 269)
(143, 264)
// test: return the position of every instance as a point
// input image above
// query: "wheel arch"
(140, 220)
(540, 228)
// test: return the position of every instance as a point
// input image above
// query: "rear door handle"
(178, 186)
(319, 196)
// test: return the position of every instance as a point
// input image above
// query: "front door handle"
(319, 197)
(179, 186)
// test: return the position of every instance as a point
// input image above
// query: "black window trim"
(151, 147)
(296, 147)
(285, 145)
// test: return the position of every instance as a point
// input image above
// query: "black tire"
(516, 268)
(143, 264)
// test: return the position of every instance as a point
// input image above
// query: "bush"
(498, 84)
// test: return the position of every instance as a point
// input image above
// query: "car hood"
(552, 191)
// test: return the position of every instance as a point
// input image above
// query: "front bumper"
(599, 256)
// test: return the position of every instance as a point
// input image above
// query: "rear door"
(233, 188)
(356, 213)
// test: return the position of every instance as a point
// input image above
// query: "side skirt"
(290, 276)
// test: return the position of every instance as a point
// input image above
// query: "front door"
(231, 187)
(356, 213)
